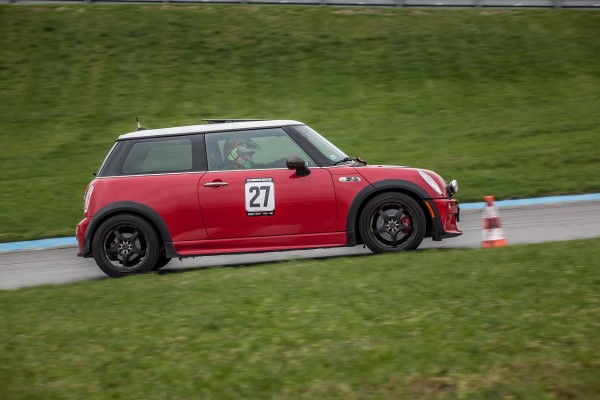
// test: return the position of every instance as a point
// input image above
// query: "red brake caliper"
(406, 221)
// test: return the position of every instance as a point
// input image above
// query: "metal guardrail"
(588, 4)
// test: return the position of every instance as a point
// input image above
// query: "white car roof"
(205, 128)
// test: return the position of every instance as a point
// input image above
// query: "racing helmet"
(235, 148)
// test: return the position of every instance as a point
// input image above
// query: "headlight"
(452, 188)
(430, 182)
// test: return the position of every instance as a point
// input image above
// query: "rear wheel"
(126, 244)
(392, 222)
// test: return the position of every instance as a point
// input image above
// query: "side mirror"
(295, 162)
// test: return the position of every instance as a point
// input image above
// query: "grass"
(505, 101)
(516, 322)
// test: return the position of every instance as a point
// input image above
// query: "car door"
(266, 199)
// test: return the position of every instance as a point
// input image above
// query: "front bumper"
(446, 214)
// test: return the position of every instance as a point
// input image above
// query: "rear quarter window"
(172, 155)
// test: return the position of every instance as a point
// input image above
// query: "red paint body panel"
(448, 210)
(303, 205)
(374, 173)
(172, 196)
(346, 191)
(259, 244)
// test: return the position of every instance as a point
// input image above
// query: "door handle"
(216, 184)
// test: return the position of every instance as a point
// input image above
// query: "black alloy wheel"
(126, 244)
(392, 222)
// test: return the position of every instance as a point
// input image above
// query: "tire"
(392, 222)
(126, 244)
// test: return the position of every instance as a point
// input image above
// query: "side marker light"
(430, 209)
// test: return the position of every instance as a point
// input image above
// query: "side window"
(169, 155)
(254, 149)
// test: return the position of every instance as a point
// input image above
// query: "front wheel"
(126, 244)
(392, 222)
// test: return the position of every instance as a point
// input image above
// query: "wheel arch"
(386, 186)
(128, 207)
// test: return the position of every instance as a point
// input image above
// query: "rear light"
(87, 198)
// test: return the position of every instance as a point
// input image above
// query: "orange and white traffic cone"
(492, 233)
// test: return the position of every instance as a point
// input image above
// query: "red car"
(234, 186)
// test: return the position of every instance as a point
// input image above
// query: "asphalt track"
(522, 223)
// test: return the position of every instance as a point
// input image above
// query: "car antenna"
(140, 127)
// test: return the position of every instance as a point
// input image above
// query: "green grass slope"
(507, 102)
(519, 322)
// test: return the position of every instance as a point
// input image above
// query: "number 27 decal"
(260, 197)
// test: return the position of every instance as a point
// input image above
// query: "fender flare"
(388, 185)
(133, 208)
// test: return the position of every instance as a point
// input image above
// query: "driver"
(239, 152)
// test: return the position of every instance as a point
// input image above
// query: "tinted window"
(168, 155)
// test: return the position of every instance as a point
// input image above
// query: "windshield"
(322, 144)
